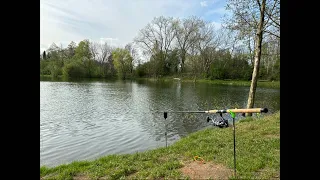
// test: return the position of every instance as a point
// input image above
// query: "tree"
(257, 56)
(206, 43)
(71, 49)
(53, 50)
(84, 56)
(270, 54)
(193, 62)
(94, 50)
(104, 57)
(111, 70)
(133, 52)
(250, 15)
(272, 24)
(156, 38)
(82, 52)
(122, 61)
(104, 52)
(186, 35)
(172, 62)
(208, 56)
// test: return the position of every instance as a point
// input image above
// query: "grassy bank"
(258, 156)
(261, 83)
(267, 84)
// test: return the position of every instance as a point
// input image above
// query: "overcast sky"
(114, 21)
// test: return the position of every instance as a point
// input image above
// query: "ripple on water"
(86, 120)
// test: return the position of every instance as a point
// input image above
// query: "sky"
(114, 21)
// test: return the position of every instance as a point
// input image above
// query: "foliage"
(122, 61)
(74, 69)
(44, 68)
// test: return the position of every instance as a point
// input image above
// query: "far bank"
(261, 83)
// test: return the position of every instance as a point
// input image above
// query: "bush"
(44, 67)
(74, 69)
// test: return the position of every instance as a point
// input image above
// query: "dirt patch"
(206, 170)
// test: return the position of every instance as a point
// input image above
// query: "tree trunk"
(257, 58)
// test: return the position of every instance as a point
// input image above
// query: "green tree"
(44, 68)
(122, 61)
(73, 70)
(82, 52)
(71, 49)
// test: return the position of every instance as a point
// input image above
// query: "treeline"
(167, 46)
(87, 59)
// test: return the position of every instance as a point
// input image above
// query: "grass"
(261, 83)
(266, 84)
(257, 153)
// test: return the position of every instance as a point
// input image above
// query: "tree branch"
(272, 33)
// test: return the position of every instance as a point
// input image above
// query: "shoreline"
(260, 83)
(258, 156)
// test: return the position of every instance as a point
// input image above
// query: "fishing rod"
(232, 113)
(249, 110)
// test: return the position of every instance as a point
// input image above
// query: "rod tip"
(165, 114)
(264, 110)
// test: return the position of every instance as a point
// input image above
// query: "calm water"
(84, 120)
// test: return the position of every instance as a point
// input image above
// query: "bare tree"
(133, 52)
(94, 50)
(257, 56)
(207, 42)
(245, 20)
(186, 35)
(272, 24)
(193, 61)
(103, 54)
(248, 16)
(53, 50)
(270, 54)
(156, 37)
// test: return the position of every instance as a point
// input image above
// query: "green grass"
(266, 84)
(257, 153)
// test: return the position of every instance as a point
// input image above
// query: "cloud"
(63, 21)
(203, 3)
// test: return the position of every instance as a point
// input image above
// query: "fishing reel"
(219, 121)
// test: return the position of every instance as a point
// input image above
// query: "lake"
(87, 119)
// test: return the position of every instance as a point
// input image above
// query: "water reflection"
(82, 120)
